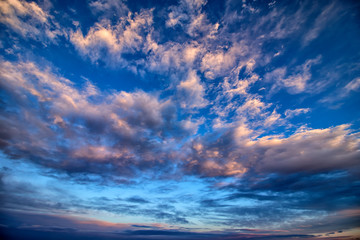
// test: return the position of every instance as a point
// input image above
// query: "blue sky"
(187, 119)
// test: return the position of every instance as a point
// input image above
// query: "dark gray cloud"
(20, 225)
(310, 201)
(236, 150)
(135, 199)
(126, 130)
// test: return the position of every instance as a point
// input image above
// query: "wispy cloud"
(343, 92)
(29, 20)
(105, 40)
(295, 82)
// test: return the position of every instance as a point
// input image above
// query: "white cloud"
(274, 118)
(29, 20)
(242, 131)
(109, 8)
(296, 82)
(342, 93)
(280, 23)
(187, 10)
(189, 15)
(192, 92)
(127, 36)
(218, 63)
(253, 106)
(172, 56)
(192, 125)
(232, 85)
(328, 14)
(354, 85)
(290, 113)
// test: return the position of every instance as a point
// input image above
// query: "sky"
(184, 119)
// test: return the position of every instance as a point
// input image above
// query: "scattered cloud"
(29, 20)
(344, 92)
(297, 82)
(192, 92)
(105, 40)
(216, 63)
(328, 14)
(290, 113)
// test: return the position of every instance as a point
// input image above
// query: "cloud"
(217, 63)
(233, 97)
(120, 129)
(39, 198)
(327, 15)
(308, 150)
(74, 225)
(234, 86)
(133, 43)
(29, 20)
(105, 40)
(290, 113)
(296, 82)
(189, 15)
(109, 8)
(137, 200)
(294, 203)
(203, 110)
(73, 132)
(192, 92)
(344, 92)
(171, 57)
(253, 106)
(238, 149)
(41, 226)
(274, 118)
(353, 85)
(211, 159)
